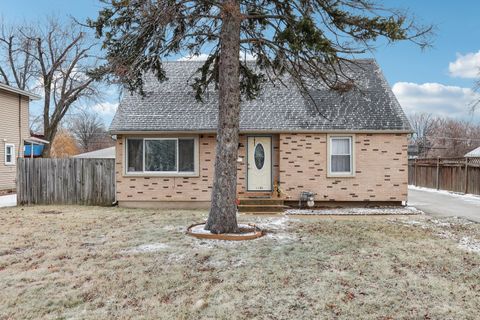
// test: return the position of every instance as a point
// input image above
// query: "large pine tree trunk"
(222, 217)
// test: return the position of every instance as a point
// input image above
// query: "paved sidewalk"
(444, 203)
(8, 200)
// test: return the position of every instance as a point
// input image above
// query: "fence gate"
(66, 181)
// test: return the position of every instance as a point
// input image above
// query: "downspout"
(115, 200)
(19, 125)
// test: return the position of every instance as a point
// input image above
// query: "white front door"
(259, 164)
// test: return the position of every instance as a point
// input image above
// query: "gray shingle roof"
(171, 105)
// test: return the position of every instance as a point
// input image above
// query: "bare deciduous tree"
(89, 131)
(55, 60)
(443, 137)
(16, 60)
(423, 125)
(36, 125)
(476, 88)
(454, 138)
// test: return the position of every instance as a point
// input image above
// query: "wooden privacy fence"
(452, 174)
(66, 181)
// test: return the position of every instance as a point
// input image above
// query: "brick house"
(349, 147)
(14, 132)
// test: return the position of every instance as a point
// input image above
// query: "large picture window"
(161, 155)
(341, 155)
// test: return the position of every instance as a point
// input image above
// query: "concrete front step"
(263, 213)
(260, 202)
(260, 208)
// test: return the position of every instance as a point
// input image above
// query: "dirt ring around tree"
(247, 232)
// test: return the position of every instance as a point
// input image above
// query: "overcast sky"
(438, 80)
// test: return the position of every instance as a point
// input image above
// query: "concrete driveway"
(443, 203)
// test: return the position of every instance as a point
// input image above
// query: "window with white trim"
(341, 159)
(9, 154)
(161, 155)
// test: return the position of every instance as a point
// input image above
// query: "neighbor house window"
(341, 155)
(9, 154)
(161, 155)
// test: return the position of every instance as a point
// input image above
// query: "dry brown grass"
(110, 263)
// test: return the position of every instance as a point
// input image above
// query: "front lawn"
(111, 263)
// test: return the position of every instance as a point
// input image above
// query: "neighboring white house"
(473, 154)
(107, 153)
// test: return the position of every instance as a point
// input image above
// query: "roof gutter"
(152, 132)
(36, 140)
(21, 92)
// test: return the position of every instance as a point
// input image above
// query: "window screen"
(135, 155)
(186, 155)
(341, 154)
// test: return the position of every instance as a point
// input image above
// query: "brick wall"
(144, 188)
(380, 168)
(299, 162)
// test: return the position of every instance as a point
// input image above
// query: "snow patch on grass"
(275, 223)
(278, 228)
(148, 248)
(347, 267)
(214, 244)
(282, 237)
(427, 224)
(447, 228)
(469, 244)
(356, 211)
(174, 228)
(446, 235)
(200, 229)
(174, 258)
(420, 224)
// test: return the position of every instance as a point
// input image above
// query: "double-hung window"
(170, 156)
(341, 156)
(9, 154)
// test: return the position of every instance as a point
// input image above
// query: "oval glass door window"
(259, 156)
